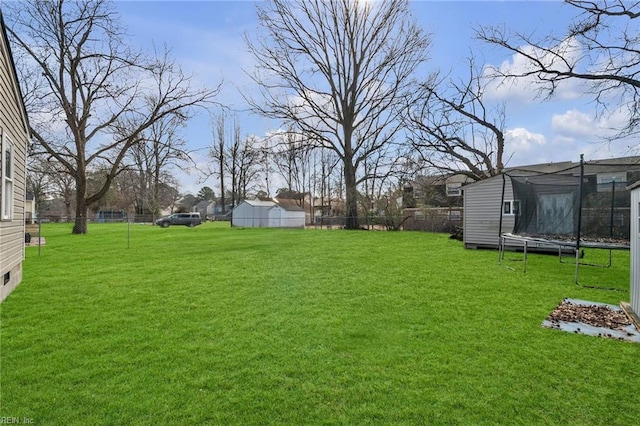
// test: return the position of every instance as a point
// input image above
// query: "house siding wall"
(13, 124)
(635, 251)
(482, 211)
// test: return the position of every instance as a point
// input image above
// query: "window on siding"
(510, 208)
(454, 189)
(6, 199)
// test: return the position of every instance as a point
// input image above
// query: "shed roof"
(260, 203)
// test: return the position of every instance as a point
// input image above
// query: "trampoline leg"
(525, 256)
(577, 267)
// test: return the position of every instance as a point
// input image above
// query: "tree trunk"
(80, 226)
(82, 208)
(351, 195)
(222, 200)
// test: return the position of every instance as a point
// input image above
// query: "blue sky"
(207, 39)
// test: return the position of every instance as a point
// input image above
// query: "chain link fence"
(424, 220)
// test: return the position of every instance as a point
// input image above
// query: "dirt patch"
(594, 319)
(596, 315)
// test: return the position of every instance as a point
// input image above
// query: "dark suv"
(187, 219)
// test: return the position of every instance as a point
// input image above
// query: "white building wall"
(243, 215)
(252, 214)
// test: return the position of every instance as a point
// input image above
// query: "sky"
(207, 38)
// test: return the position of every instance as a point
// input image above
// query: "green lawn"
(214, 325)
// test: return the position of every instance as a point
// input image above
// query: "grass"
(214, 325)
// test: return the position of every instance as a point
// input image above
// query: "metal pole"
(613, 196)
(579, 217)
(501, 241)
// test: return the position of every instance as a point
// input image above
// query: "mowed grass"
(219, 325)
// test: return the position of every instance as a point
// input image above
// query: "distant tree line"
(360, 117)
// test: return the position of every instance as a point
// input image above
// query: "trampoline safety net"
(589, 201)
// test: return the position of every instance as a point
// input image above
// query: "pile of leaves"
(594, 315)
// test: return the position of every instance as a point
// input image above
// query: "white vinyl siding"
(14, 139)
(482, 212)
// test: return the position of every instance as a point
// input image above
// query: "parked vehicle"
(187, 219)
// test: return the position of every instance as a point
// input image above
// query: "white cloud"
(573, 123)
(520, 139)
(528, 88)
(588, 127)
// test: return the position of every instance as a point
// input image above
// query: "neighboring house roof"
(292, 195)
(541, 168)
(203, 204)
(441, 179)
(288, 204)
(568, 168)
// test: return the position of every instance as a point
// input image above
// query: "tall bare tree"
(453, 129)
(235, 160)
(600, 48)
(218, 152)
(248, 168)
(161, 147)
(97, 95)
(291, 156)
(338, 70)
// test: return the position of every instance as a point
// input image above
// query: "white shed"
(286, 216)
(252, 214)
(635, 247)
(267, 214)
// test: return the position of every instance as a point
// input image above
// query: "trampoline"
(586, 206)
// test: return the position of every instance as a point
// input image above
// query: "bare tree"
(98, 94)
(244, 165)
(600, 48)
(291, 156)
(249, 167)
(453, 130)
(325, 162)
(377, 168)
(338, 70)
(161, 147)
(63, 186)
(235, 160)
(39, 181)
(218, 153)
(232, 164)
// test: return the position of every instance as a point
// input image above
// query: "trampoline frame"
(562, 245)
